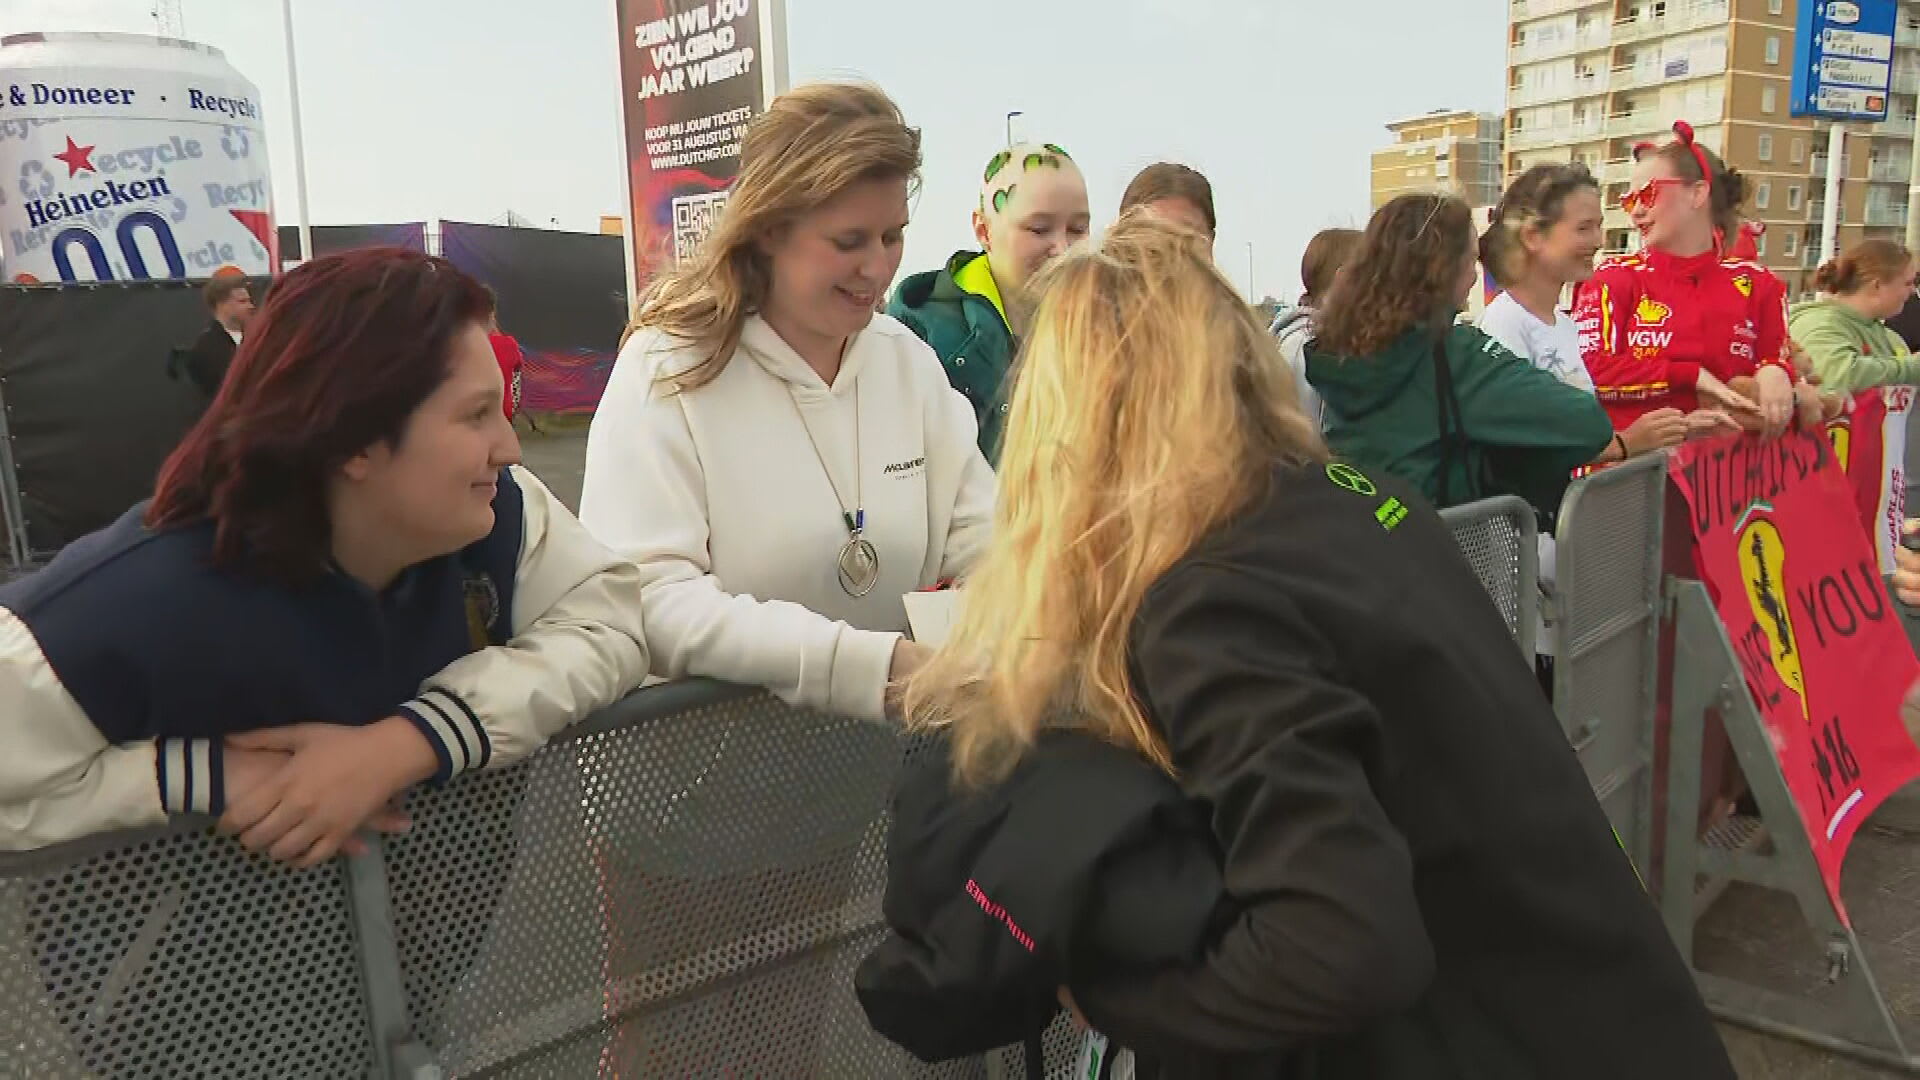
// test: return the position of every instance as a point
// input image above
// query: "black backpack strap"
(1453, 436)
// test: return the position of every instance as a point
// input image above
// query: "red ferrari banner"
(1778, 542)
(1871, 445)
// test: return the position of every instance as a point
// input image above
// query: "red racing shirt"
(1650, 322)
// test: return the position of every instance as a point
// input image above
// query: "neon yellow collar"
(976, 277)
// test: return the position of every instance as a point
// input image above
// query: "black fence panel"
(333, 239)
(561, 294)
(91, 412)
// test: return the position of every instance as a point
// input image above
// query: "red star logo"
(77, 158)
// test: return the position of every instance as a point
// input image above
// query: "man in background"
(229, 303)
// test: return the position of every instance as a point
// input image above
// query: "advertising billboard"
(692, 74)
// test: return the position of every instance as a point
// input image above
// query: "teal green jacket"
(1525, 432)
(966, 328)
(1850, 351)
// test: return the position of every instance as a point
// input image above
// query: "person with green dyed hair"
(972, 311)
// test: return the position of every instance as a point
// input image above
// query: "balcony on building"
(1885, 216)
(1584, 84)
(1679, 17)
(1622, 125)
(1890, 170)
(1537, 9)
(1817, 164)
(1592, 39)
(1555, 135)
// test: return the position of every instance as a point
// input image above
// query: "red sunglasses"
(1647, 194)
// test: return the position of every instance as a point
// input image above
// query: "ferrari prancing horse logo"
(1763, 569)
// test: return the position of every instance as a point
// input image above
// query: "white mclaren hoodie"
(719, 497)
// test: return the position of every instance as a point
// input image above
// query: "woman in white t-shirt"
(782, 463)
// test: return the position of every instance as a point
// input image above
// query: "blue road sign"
(1843, 59)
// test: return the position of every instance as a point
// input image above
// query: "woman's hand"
(1906, 568)
(335, 781)
(1715, 394)
(1065, 997)
(1710, 423)
(1657, 430)
(1775, 393)
(1802, 362)
(246, 771)
(908, 657)
(1809, 406)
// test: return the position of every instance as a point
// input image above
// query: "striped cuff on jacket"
(454, 732)
(191, 776)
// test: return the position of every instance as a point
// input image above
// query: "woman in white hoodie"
(781, 462)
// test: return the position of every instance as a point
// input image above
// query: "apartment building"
(1587, 79)
(1449, 150)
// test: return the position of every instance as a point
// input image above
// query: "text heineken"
(42, 212)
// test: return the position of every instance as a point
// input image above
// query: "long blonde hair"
(1150, 406)
(811, 144)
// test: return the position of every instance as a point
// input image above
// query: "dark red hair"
(347, 347)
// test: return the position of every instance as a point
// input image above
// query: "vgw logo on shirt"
(1648, 316)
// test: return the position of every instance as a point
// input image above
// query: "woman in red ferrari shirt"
(1675, 324)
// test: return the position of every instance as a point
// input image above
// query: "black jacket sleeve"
(1328, 936)
(207, 362)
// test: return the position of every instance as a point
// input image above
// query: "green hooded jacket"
(957, 310)
(1525, 431)
(1850, 351)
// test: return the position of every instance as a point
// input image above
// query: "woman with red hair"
(343, 586)
(1685, 323)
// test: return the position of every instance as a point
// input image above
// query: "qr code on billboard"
(694, 216)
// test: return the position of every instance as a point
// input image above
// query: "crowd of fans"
(1205, 544)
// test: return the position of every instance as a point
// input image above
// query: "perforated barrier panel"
(176, 955)
(1607, 605)
(669, 891)
(1499, 538)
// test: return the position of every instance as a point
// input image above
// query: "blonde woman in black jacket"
(1423, 884)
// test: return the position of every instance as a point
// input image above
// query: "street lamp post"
(1253, 297)
(1010, 117)
(305, 226)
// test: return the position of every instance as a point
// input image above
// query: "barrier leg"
(1707, 675)
(397, 1054)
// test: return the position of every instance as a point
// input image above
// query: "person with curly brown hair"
(1409, 391)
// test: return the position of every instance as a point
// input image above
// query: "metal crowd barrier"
(1500, 538)
(679, 886)
(1620, 698)
(1606, 605)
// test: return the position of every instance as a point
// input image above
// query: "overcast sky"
(465, 109)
